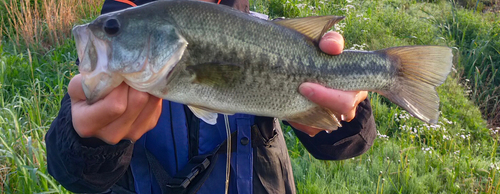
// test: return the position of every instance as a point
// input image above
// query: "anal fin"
(317, 117)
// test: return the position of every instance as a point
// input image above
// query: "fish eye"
(112, 26)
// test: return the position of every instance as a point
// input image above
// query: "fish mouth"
(93, 53)
(81, 34)
(102, 66)
(97, 86)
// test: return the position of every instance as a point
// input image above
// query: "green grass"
(32, 85)
(457, 156)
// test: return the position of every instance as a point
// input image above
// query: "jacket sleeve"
(78, 166)
(87, 165)
(352, 139)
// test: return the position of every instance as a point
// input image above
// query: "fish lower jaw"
(151, 83)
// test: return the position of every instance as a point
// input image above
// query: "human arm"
(352, 139)
(86, 164)
(89, 147)
(358, 129)
(78, 166)
(99, 126)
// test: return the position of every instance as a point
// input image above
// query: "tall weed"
(24, 24)
(42, 24)
(477, 38)
(30, 94)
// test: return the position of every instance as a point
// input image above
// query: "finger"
(336, 100)
(332, 43)
(75, 89)
(87, 119)
(311, 131)
(121, 127)
(348, 116)
(147, 120)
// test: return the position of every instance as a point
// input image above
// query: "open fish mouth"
(93, 54)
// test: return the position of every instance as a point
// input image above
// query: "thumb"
(75, 89)
(332, 43)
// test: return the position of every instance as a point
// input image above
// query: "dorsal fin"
(313, 27)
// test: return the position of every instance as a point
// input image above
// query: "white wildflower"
(427, 150)
(358, 47)
(347, 8)
(494, 166)
(435, 126)
(382, 136)
(447, 121)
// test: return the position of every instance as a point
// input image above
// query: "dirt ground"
(483, 5)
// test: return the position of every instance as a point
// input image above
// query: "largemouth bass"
(219, 60)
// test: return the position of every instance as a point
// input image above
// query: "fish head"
(132, 45)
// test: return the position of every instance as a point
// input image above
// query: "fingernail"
(342, 117)
(333, 39)
(355, 100)
(306, 91)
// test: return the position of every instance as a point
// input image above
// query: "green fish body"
(219, 60)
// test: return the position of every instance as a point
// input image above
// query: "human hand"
(125, 113)
(342, 103)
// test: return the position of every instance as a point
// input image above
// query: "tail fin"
(420, 69)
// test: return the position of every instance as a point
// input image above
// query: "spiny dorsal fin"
(313, 27)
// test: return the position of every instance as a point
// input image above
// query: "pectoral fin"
(313, 27)
(207, 116)
(317, 117)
